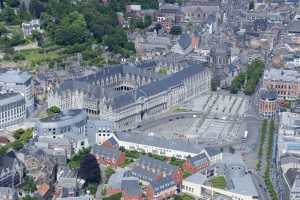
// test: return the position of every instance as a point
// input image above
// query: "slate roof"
(174, 144)
(106, 152)
(7, 161)
(119, 99)
(212, 151)
(112, 141)
(184, 40)
(163, 184)
(199, 159)
(155, 164)
(130, 186)
(294, 27)
(173, 80)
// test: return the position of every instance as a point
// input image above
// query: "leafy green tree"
(3, 29)
(92, 187)
(24, 15)
(89, 169)
(17, 145)
(18, 133)
(72, 30)
(36, 8)
(53, 110)
(27, 197)
(29, 184)
(9, 16)
(16, 39)
(13, 3)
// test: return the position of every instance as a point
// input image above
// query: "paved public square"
(218, 122)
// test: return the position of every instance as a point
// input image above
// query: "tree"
(89, 169)
(9, 16)
(92, 188)
(72, 30)
(29, 185)
(27, 197)
(18, 133)
(215, 83)
(231, 150)
(13, 3)
(108, 172)
(3, 29)
(36, 8)
(53, 110)
(16, 39)
(17, 145)
(176, 30)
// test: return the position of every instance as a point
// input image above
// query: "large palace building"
(128, 94)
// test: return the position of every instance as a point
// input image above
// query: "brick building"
(196, 163)
(161, 189)
(284, 82)
(108, 156)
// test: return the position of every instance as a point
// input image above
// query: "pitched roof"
(184, 40)
(130, 186)
(108, 153)
(174, 144)
(212, 151)
(163, 184)
(199, 159)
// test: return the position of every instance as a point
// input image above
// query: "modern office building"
(12, 109)
(69, 125)
(74, 120)
(20, 82)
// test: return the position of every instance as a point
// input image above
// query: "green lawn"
(37, 56)
(218, 182)
(127, 162)
(186, 174)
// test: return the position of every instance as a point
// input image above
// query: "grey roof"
(163, 184)
(184, 40)
(173, 80)
(15, 76)
(114, 180)
(197, 178)
(212, 151)
(106, 152)
(164, 143)
(294, 27)
(199, 159)
(143, 169)
(112, 141)
(291, 175)
(7, 161)
(119, 100)
(6, 98)
(131, 187)
(157, 164)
